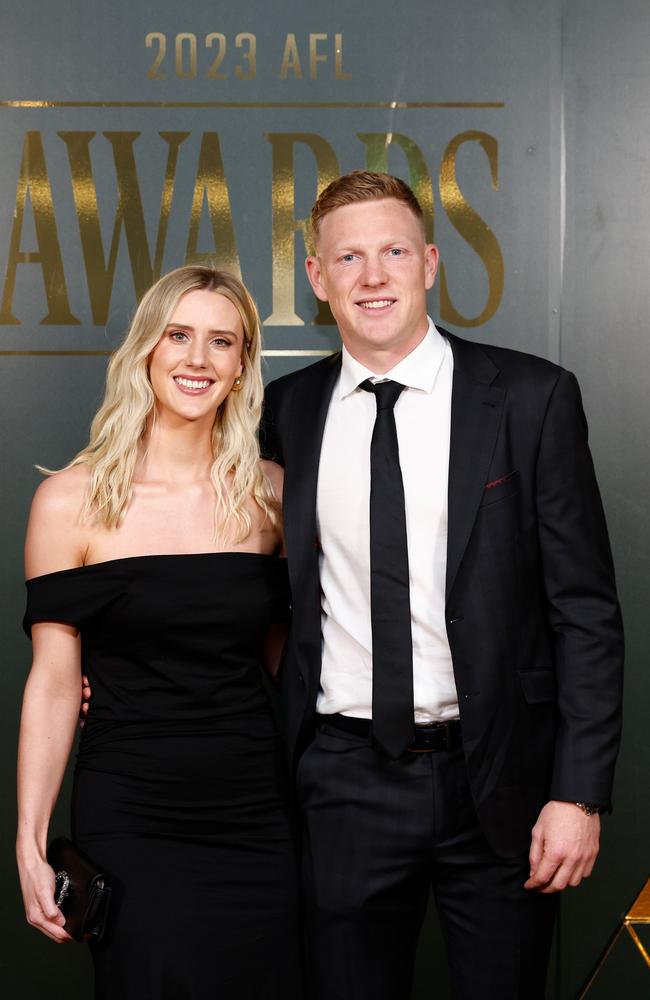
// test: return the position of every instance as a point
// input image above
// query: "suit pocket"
(500, 489)
(299, 779)
(538, 686)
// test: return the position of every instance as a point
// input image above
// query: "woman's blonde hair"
(118, 429)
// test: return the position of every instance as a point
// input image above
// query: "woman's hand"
(37, 884)
(86, 695)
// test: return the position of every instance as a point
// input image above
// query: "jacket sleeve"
(583, 610)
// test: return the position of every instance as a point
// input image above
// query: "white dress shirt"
(423, 419)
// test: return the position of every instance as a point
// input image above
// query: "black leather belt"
(429, 738)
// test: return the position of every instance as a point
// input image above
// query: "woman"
(152, 565)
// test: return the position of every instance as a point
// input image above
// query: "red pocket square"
(500, 481)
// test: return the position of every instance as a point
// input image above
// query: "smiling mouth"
(376, 305)
(193, 386)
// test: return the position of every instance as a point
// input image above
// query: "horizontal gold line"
(105, 354)
(60, 354)
(335, 105)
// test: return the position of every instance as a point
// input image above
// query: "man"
(452, 684)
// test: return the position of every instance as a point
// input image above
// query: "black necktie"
(390, 607)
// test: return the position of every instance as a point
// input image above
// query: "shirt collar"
(418, 370)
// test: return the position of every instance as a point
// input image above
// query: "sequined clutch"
(82, 890)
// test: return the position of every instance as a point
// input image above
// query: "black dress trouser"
(378, 835)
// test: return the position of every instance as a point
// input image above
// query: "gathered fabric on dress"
(180, 790)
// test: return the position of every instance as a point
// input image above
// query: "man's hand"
(564, 847)
(86, 695)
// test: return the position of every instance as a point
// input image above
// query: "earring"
(236, 386)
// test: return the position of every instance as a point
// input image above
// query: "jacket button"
(301, 678)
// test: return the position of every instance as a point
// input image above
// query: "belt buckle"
(439, 729)
(422, 734)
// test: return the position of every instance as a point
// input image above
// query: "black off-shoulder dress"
(180, 790)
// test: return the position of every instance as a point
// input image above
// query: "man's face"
(374, 269)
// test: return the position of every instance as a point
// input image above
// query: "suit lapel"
(476, 410)
(302, 457)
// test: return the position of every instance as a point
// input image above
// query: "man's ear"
(314, 273)
(431, 257)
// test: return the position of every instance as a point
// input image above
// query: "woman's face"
(196, 361)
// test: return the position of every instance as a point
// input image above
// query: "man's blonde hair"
(362, 185)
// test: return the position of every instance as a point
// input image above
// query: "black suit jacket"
(533, 621)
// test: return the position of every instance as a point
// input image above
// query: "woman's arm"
(51, 701)
(274, 644)
(47, 728)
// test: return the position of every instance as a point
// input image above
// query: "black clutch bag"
(82, 891)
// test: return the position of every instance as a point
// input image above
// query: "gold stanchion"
(639, 913)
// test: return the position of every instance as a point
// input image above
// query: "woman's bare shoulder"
(275, 475)
(54, 536)
(62, 489)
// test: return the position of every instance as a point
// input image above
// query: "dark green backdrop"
(522, 125)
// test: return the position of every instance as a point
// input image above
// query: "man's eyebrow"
(386, 242)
